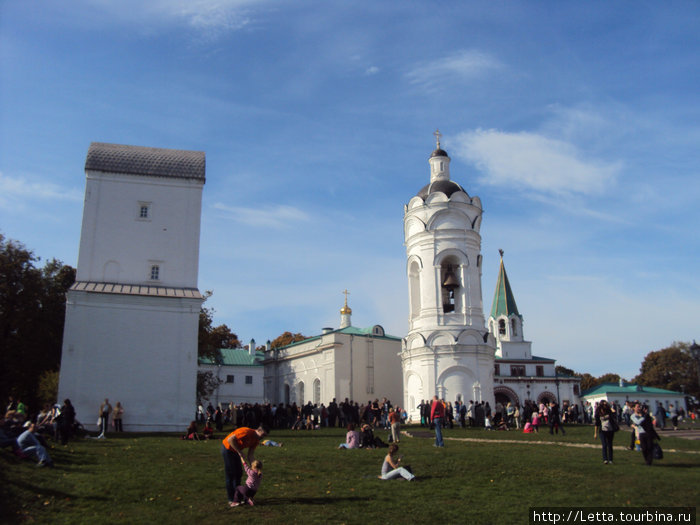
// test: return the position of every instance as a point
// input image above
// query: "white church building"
(360, 364)
(132, 315)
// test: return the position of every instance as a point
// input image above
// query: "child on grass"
(245, 493)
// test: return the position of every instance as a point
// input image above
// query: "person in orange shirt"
(232, 448)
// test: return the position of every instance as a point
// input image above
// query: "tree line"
(675, 367)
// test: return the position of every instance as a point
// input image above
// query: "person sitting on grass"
(208, 430)
(245, 493)
(30, 445)
(191, 432)
(391, 468)
(368, 439)
(367, 436)
(352, 438)
(299, 423)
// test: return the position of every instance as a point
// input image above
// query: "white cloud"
(14, 190)
(531, 161)
(460, 66)
(276, 217)
(210, 17)
(373, 70)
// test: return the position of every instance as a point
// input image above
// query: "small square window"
(229, 379)
(143, 211)
(155, 272)
(248, 380)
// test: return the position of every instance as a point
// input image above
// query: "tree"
(207, 382)
(47, 391)
(588, 382)
(608, 378)
(563, 371)
(672, 368)
(212, 338)
(32, 313)
(287, 338)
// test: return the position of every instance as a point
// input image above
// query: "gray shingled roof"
(136, 289)
(139, 160)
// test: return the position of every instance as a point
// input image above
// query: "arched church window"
(449, 285)
(501, 327)
(300, 393)
(513, 327)
(317, 391)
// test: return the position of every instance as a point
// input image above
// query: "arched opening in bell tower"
(501, 327)
(449, 284)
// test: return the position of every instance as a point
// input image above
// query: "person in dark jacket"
(644, 428)
(555, 419)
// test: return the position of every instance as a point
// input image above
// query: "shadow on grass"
(59, 494)
(311, 501)
(674, 465)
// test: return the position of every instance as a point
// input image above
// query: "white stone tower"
(448, 351)
(132, 315)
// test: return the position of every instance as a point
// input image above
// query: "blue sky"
(576, 123)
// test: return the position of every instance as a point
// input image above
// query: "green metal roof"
(367, 332)
(350, 330)
(503, 299)
(234, 357)
(628, 389)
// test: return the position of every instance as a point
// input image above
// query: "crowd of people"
(28, 436)
(309, 416)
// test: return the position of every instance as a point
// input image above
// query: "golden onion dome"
(346, 310)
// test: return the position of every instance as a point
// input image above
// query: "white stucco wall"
(140, 351)
(340, 362)
(118, 246)
(237, 391)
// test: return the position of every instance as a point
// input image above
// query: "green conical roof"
(503, 299)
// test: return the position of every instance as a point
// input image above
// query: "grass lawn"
(137, 478)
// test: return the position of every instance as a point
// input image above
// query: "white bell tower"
(448, 351)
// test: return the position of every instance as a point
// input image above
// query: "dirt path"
(425, 434)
